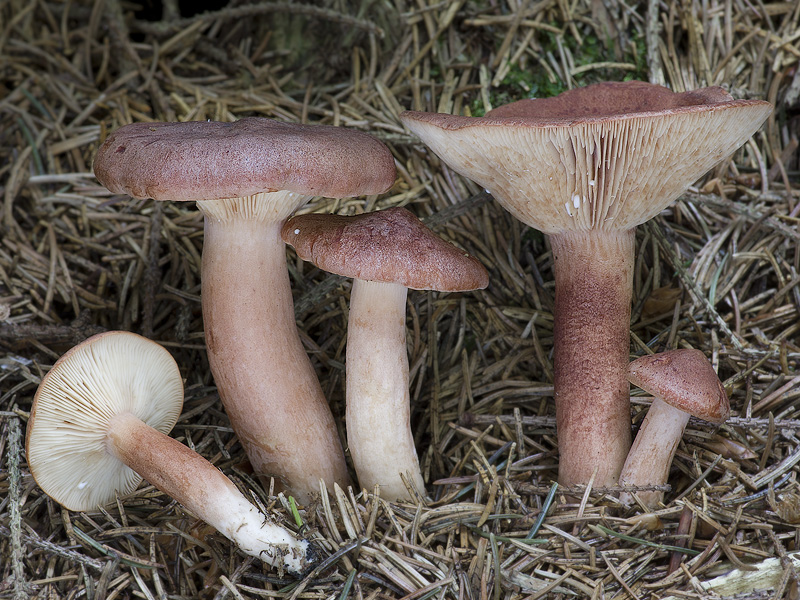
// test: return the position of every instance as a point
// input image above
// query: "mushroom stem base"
(651, 454)
(183, 474)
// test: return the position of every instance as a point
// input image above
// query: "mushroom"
(386, 253)
(587, 167)
(683, 384)
(248, 177)
(99, 424)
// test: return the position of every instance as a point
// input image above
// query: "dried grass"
(718, 271)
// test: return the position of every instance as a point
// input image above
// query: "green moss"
(536, 82)
(533, 236)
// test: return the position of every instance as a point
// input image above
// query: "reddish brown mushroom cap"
(683, 379)
(610, 99)
(204, 160)
(391, 246)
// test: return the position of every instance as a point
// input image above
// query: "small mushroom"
(99, 424)
(248, 177)
(683, 384)
(586, 167)
(386, 253)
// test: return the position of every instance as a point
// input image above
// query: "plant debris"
(718, 271)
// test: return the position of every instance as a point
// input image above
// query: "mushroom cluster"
(586, 167)
(247, 178)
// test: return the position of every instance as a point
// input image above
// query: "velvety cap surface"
(606, 156)
(391, 246)
(208, 160)
(684, 379)
(107, 374)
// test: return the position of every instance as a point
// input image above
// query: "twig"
(128, 59)
(51, 548)
(21, 591)
(74, 333)
(750, 212)
(469, 420)
(251, 10)
(652, 37)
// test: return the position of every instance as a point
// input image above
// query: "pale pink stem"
(195, 483)
(265, 379)
(651, 454)
(378, 404)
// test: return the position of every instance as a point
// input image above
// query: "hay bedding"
(717, 271)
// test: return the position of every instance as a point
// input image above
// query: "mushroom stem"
(594, 279)
(264, 376)
(198, 485)
(651, 454)
(378, 403)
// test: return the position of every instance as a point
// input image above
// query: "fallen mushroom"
(99, 424)
(587, 167)
(386, 253)
(683, 384)
(248, 177)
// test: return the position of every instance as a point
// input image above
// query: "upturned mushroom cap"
(683, 379)
(66, 442)
(390, 246)
(605, 156)
(205, 160)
